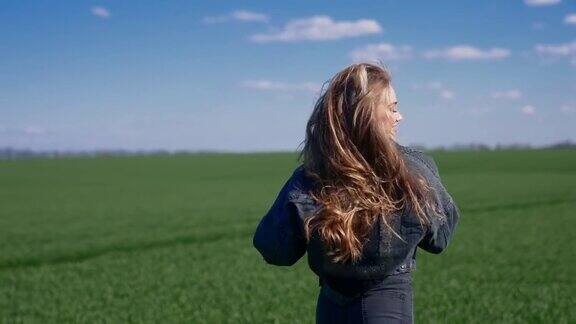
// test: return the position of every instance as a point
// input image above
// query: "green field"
(169, 239)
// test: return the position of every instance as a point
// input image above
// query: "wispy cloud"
(506, 94)
(318, 28)
(245, 15)
(538, 25)
(466, 52)
(25, 131)
(528, 110)
(478, 111)
(100, 12)
(447, 94)
(539, 3)
(237, 15)
(382, 51)
(570, 19)
(568, 109)
(555, 51)
(281, 86)
(438, 87)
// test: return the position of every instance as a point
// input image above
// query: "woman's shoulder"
(299, 195)
(301, 184)
(409, 149)
(421, 157)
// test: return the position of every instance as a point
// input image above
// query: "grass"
(168, 239)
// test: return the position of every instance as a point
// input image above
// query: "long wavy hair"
(358, 172)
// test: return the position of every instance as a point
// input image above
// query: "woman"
(359, 204)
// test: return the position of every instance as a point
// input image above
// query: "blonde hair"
(358, 172)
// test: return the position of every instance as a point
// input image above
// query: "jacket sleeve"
(278, 236)
(437, 238)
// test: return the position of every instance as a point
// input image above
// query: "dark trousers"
(390, 301)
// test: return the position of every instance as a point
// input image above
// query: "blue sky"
(243, 76)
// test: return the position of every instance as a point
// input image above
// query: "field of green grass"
(169, 239)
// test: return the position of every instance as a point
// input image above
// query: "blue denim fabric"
(389, 301)
(279, 235)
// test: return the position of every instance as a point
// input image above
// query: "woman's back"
(382, 277)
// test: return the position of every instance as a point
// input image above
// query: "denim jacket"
(280, 240)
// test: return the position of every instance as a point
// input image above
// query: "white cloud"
(100, 12)
(568, 109)
(382, 51)
(478, 111)
(538, 25)
(570, 19)
(466, 52)
(447, 94)
(507, 94)
(245, 15)
(319, 28)
(433, 85)
(438, 87)
(34, 130)
(536, 3)
(25, 131)
(281, 86)
(562, 50)
(528, 110)
(238, 15)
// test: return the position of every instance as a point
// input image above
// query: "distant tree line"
(566, 144)
(15, 153)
